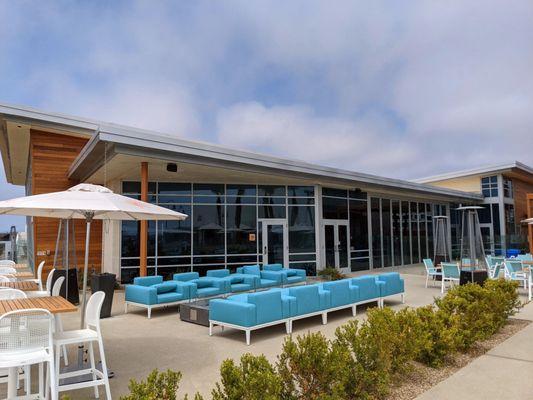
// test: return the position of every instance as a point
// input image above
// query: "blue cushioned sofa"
(151, 292)
(252, 311)
(206, 286)
(266, 279)
(235, 282)
(391, 284)
(291, 276)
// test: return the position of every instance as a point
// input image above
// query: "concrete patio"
(135, 345)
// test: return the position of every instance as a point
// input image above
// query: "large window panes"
(430, 233)
(335, 208)
(376, 232)
(406, 233)
(359, 251)
(396, 232)
(301, 219)
(386, 232)
(208, 229)
(422, 230)
(174, 237)
(241, 229)
(414, 234)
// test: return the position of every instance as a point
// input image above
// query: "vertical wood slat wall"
(51, 156)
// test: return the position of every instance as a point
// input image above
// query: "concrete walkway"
(505, 372)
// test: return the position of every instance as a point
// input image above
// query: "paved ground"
(505, 372)
(135, 345)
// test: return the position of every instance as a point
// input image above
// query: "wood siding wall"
(520, 192)
(530, 215)
(51, 156)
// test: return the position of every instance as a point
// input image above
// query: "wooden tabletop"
(21, 266)
(54, 304)
(527, 262)
(24, 275)
(26, 286)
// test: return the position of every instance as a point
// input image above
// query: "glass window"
(271, 211)
(271, 200)
(484, 214)
(302, 200)
(310, 267)
(135, 187)
(265, 190)
(171, 188)
(414, 233)
(240, 190)
(241, 229)
(165, 199)
(508, 188)
(376, 232)
(406, 237)
(301, 191)
(208, 189)
(130, 239)
(489, 186)
(358, 225)
(208, 199)
(208, 229)
(496, 219)
(429, 219)
(333, 208)
(241, 200)
(422, 230)
(396, 232)
(510, 219)
(359, 264)
(387, 239)
(357, 194)
(174, 237)
(334, 192)
(302, 230)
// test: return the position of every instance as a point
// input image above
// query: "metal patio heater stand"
(441, 246)
(65, 257)
(472, 263)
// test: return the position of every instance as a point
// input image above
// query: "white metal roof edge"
(476, 171)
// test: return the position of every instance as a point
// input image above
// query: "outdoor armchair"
(235, 282)
(266, 278)
(205, 286)
(368, 288)
(391, 284)
(151, 292)
(291, 276)
(431, 270)
(450, 273)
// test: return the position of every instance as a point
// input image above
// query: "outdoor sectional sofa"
(254, 311)
(151, 292)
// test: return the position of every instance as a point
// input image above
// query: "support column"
(144, 224)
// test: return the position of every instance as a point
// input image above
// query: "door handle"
(265, 250)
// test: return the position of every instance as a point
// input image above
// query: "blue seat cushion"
(169, 297)
(267, 283)
(295, 279)
(251, 270)
(236, 278)
(208, 291)
(291, 272)
(166, 287)
(240, 287)
(239, 297)
(147, 280)
(202, 283)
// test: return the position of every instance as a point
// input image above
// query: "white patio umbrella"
(88, 202)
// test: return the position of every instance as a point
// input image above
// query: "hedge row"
(363, 358)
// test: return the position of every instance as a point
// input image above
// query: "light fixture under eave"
(171, 167)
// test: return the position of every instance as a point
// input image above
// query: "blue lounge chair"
(235, 282)
(391, 284)
(431, 270)
(450, 273)
(151, 292)
(267, 279)
(205, 286)
(291, 276)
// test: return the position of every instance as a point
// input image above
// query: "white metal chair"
(6, 278)
(515, 272)
(450, 273)
(27, 340)
(89, 335)
(12, 294)
(56, 289)
(48, 289)
(7, 263)
(7, 270)
(431, 270)
(39, 279)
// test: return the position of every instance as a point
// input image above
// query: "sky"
(403, 89)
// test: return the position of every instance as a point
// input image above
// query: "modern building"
(243, 207)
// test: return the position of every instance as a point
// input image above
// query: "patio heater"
(472, 262)
(441, 245)
(65, 260)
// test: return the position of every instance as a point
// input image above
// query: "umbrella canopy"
(84, 200)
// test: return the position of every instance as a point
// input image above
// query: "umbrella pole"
(89, 217)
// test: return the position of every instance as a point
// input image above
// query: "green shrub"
(437, 336)
(368, 366)
(332, 274)
(253, 379)
(311, 368)
(158, 386)
(507, 293)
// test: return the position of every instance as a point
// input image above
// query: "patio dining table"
(24, 275)
(25, 286)
(54, 304)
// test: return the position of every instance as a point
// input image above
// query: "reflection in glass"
(208, 229)
(358, 225)
(414, 233)
(174, 237)
(241, 229)
(406, 237)
(376, 232)
(386, 232)
(333, 208)
(302, 229)
(396, 232)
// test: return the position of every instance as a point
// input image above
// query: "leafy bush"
(158, 386)
(507, 293)
(332, 274)
(253, 379)
(311, 368)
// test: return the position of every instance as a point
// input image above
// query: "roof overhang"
(134, 144)
(515, 168)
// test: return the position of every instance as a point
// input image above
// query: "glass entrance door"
(336, 245)
(274, 241)
(487, 235)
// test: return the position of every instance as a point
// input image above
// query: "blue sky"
(398, 88)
